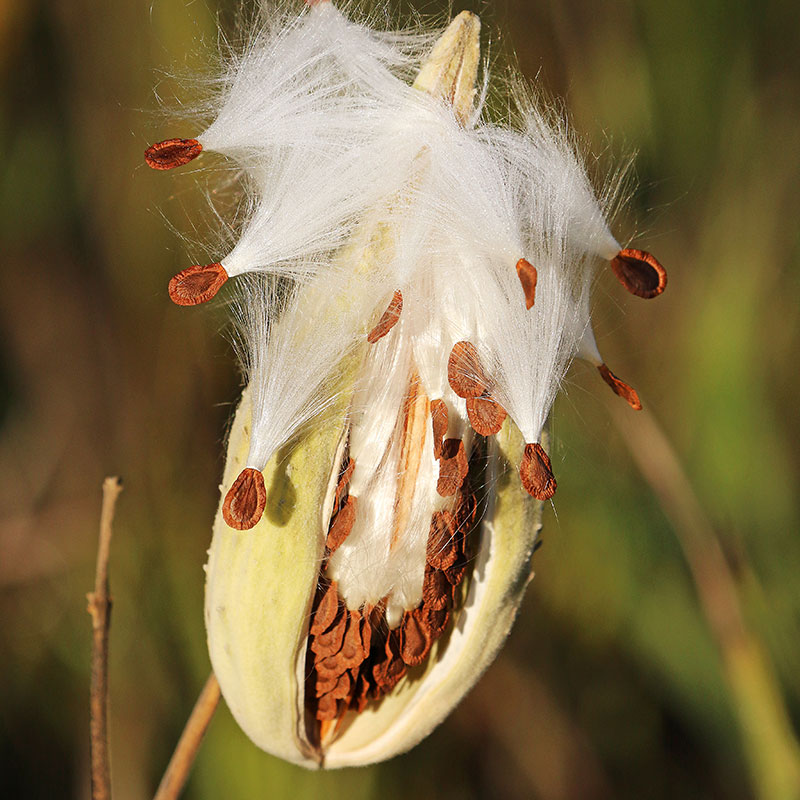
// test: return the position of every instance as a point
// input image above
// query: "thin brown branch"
(100, 609)
(186, 751)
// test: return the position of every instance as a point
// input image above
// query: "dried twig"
(182, 759)
(100, 609)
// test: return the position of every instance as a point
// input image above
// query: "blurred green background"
(657, 653)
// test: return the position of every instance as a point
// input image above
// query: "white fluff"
(338, 148)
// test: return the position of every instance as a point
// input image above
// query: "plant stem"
(185, 753)
(100, 609)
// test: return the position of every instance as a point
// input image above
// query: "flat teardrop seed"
(388, 320)
(437, 591)
(619, 387)
(326, 610)
(172, 153)
(330, 642)
(435, 620)
(528, 277)
(245, 501)
(342, 524)
(536, 472)
(485, 415)
(388, 672)
(640, 273)
(453, 467)
(464, 371)
(441, 550)
(415, 642)
(197, 284)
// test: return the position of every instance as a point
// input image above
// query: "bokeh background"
(657, 653)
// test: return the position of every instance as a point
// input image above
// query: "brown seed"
(442, 552)
(388, 320)
(327, 708)
(621, 388)
(435, 620)
(453, 467)
(456, 573)
(466, 511)
(415, 642)
(324, 685)
(536, 472)
(437, 591)
(342, 524)
(485, 415)
(464, 371)
(390, 669)
(330, 642)
(244, 504)
(343, 686)
(640, 273)
(360, 693)
(172, 153)
(366, 631)
(326, 610)
(344, 480)
(352, 652)
(527, 277)
(197, 284)
(439, 417)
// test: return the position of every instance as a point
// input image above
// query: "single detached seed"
(527, 277)
(640, 273)
(388, 320)
(536, 472)
(244, 504)
(464, 371)
(195, 285)
(485, 415)
(172, 153)
(620, 387)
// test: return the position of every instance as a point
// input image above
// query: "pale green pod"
(261, 584)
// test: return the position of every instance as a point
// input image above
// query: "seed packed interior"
(353, 657)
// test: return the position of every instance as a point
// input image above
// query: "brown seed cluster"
(353, 657)
(468, 380)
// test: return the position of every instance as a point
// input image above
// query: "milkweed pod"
(264, 613)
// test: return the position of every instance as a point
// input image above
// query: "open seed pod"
(266, 591)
